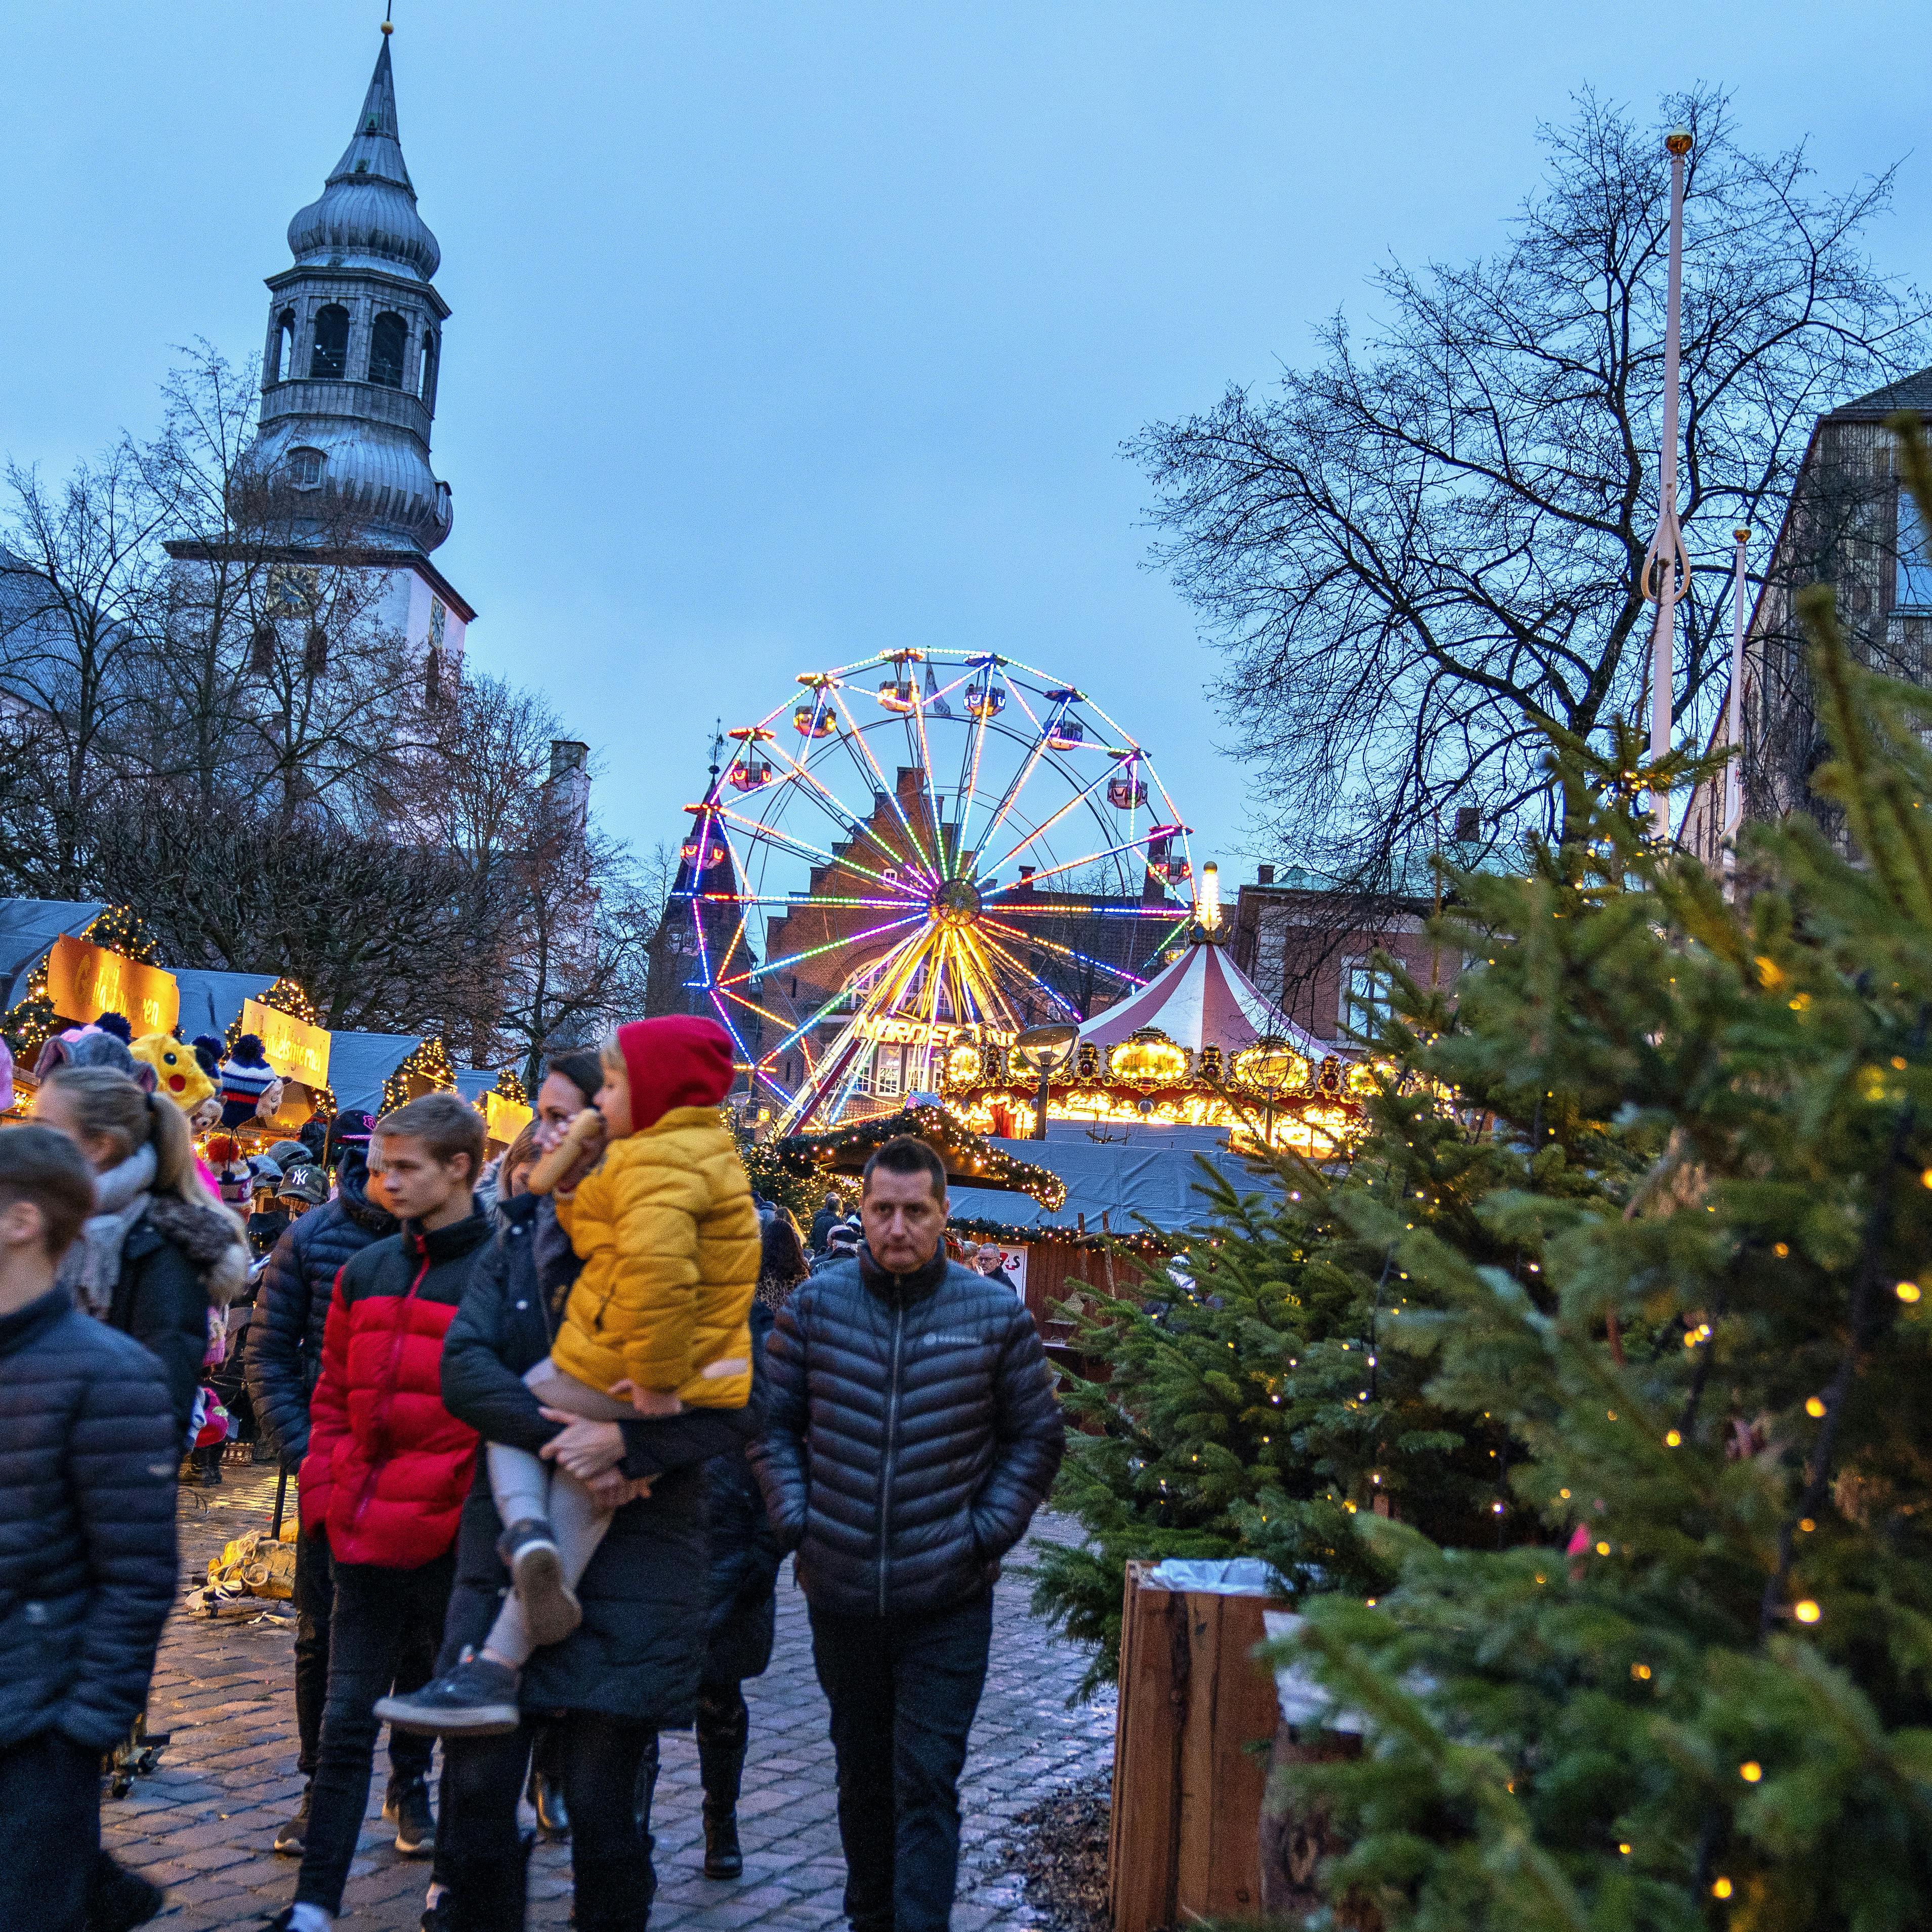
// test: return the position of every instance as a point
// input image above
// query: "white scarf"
(92, 1266)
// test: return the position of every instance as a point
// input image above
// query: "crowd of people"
(555, 1424)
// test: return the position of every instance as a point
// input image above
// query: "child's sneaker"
(550, 1607)
(476, 1699)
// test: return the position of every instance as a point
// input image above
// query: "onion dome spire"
(367, 214)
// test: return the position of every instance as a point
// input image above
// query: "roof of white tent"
(1204, 999)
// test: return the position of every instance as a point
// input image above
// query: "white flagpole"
(1734, 734)
(1665, 569)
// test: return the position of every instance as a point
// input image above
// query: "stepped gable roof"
(1204, 999)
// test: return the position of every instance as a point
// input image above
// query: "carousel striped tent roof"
(1204, 999)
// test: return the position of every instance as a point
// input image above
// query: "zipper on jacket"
(886, 1461)
(390, 1370)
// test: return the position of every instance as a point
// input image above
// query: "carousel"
(1199, 1045)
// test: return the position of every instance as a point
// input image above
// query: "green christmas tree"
(1701, 1696)
(1249, 1407)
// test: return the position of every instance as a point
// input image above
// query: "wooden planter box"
(1188, 1781)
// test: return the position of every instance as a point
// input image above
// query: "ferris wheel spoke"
(1066, 952)
(1079, 798)
(854, 737)
(990, 993)
(815, 787)
(1057, 908)
(829, 945)
(976, 744)
(1090, 859)
(945, 869)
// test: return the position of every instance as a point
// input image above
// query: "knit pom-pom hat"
(117, 1025)
(245, 1075)
(208, 1051)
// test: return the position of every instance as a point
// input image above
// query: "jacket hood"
(678, 1061)
(352, 1195)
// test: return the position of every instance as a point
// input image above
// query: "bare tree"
(1423, 556)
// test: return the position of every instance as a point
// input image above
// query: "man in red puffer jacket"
(388, 1466)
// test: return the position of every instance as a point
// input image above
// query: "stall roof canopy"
(210, 1001)
(359, 1062)
(1204, 999)
(27, 927)
(1114, 1184)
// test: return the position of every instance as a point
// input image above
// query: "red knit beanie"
(680, 1061)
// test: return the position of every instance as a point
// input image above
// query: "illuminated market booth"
(1199, 1046)
(65, 963)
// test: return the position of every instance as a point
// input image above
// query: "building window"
(282, 347)
(886, 1072)
(1914, 588)
(305, 468)
(426, 377)
(387, 341)
(330, 356)
(1365, 997)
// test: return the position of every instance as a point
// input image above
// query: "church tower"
(349, 376)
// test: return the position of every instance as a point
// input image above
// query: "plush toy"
(117, 1024)
(89, 1046)
(178, 1073)
(246, 1078)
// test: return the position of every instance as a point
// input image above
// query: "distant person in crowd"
(159, 1251)
(782, 1263)
(268, 1218)
(822, 1223)
(841, 1245)
(595, 1701)
(88, 1446)
(282, 1365)
(302, 1188)
(388, 1464)
(988, 1261)
(913, 1432)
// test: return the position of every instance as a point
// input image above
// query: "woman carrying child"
(645, 1339)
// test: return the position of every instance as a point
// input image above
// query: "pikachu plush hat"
(178, 1073)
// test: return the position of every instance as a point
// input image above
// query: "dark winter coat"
(88, 1452)
(913, 1432)
(388, 1466)
(741, 1613)
(822, 1223)
(177, 1261)
(285, 1338)
(640, 1651)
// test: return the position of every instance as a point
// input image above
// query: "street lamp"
(1043, 1050)
(1666, 569)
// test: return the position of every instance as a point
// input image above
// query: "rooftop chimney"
(1264, 875)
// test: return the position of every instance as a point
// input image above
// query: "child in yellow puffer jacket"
(658, 1320)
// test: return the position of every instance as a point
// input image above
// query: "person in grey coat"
(912, 1432)
(88, 1453)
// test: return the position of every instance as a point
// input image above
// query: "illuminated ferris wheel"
(915, 854)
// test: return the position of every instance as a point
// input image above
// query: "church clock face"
(438, 615)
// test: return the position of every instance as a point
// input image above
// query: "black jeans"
(379, 1616)
(610, 1860)
(315, 1590)
(49, 1833)
(903, 1692)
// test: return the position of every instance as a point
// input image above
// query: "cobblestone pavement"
(202, 1821)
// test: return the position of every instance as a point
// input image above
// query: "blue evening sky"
(787, 333)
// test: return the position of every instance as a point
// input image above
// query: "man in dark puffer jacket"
(284, 1358)
(88, 1451)
(913, 1432)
